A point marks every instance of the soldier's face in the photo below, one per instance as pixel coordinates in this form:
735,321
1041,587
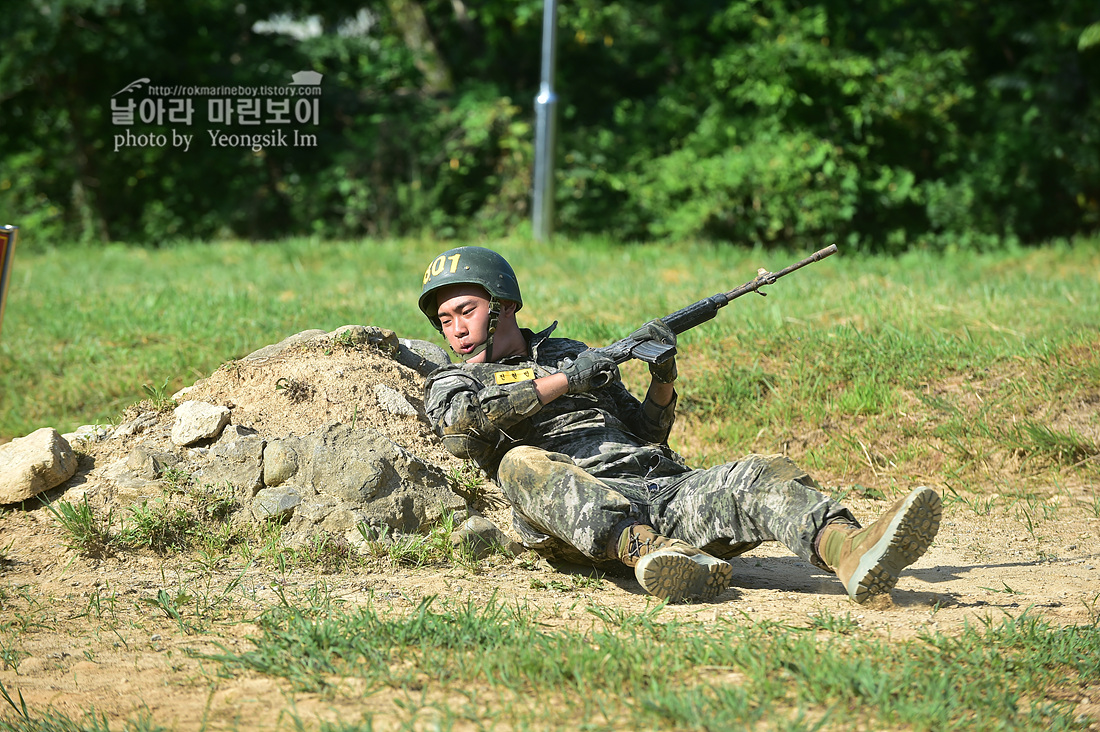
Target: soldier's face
464,314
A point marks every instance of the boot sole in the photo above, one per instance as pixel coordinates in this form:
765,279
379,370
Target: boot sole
672,576
908,537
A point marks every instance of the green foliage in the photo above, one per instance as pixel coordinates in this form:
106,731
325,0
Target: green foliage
889,125
1090,37
159,397
53,720
162,526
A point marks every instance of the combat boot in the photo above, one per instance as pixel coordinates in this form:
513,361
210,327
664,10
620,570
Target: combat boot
869,560
671,569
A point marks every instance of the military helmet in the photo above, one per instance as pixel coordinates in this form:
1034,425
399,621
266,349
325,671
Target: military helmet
468,265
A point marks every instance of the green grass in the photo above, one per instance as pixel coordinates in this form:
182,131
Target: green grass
632,670
848,340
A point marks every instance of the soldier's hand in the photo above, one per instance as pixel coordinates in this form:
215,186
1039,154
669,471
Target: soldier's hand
591,369
664,373
656,330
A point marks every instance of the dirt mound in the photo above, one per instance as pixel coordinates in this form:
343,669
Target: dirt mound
313,384
322,431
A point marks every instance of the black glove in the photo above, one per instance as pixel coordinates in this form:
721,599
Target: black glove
591,369
656,330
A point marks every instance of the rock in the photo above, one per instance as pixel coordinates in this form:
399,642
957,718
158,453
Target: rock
197,421
87,433
148,464
314,511
121,485
384,482
30,465
235,432
238,462
275,503
179,395
422,356
393,401
277,348
341,520
481,537
384,339
134,426
280,463
347,464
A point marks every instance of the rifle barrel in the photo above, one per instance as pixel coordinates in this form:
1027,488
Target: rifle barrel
700,312
768,278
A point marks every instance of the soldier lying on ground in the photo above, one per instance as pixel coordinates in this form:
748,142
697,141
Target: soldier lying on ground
587,467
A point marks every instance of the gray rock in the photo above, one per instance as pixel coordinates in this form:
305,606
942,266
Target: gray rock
275,503
276,348
383,339
422,356
314,510
87,433
179,395
362,468
121,485
149,464
393,401
347,464
482,537
235,432
239,462
341,520
134,426
196,421
280,462
30,465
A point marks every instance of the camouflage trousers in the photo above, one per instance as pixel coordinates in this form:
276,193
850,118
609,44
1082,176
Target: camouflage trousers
565,513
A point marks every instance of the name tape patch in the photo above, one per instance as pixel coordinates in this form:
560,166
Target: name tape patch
511,377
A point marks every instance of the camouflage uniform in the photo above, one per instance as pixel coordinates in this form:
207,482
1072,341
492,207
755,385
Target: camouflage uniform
580,469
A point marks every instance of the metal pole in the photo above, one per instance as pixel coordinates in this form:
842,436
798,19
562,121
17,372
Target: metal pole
546,104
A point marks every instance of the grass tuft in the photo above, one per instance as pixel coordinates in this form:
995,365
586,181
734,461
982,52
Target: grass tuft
1036,441
83,530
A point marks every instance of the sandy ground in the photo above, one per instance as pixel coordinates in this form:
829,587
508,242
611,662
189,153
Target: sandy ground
94,639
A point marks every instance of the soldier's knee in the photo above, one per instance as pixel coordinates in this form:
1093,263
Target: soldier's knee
518,462
526,467
780,468
525,458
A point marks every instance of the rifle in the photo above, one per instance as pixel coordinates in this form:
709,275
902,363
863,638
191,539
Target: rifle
651,351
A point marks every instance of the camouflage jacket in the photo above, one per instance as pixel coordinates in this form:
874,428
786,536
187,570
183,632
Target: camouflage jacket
483,410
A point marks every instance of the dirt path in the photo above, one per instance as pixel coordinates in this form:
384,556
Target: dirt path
81,634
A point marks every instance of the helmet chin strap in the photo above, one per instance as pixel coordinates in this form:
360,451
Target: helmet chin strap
487,346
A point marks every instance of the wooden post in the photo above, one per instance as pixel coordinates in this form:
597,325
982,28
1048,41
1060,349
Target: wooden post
7,251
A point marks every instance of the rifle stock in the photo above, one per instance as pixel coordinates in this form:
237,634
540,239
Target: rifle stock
702,311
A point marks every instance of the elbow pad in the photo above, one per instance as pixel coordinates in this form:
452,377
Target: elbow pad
505,406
